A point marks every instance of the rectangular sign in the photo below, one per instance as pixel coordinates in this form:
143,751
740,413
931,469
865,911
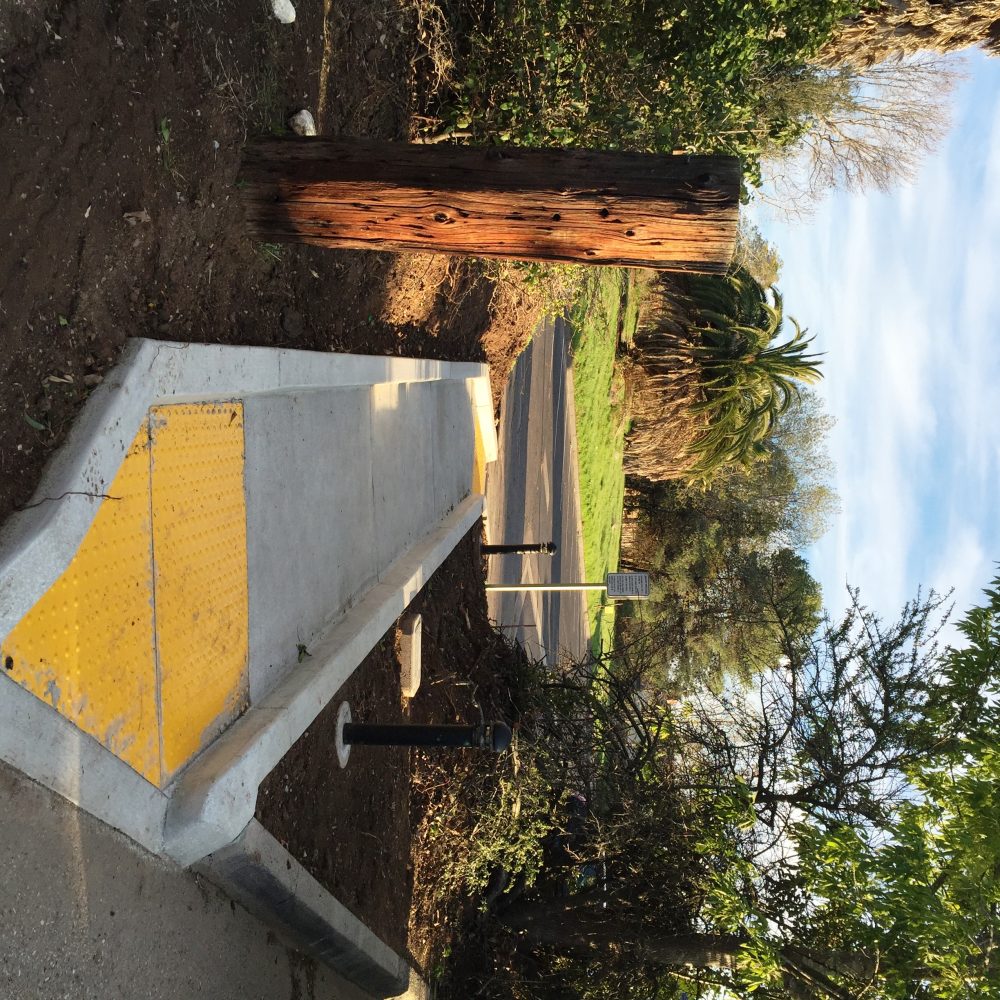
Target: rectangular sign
625,585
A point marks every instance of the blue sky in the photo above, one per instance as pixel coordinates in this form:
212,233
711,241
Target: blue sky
903,293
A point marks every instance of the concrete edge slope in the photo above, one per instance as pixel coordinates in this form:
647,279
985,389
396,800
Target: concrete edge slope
209,807
259,873
50,749
215,797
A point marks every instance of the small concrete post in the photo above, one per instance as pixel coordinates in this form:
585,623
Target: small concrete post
408,636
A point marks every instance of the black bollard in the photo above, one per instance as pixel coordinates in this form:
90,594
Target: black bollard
546,548
494,736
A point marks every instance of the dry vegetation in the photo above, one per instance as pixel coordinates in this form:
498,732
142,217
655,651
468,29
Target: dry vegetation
665,386
913,27
870,129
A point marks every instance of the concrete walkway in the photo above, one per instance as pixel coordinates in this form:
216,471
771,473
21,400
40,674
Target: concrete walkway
215,515
86,915
222,539
532,494
233,532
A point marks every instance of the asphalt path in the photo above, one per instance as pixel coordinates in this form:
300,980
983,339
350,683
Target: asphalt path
533,495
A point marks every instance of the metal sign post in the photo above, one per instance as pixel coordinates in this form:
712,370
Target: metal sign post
619,586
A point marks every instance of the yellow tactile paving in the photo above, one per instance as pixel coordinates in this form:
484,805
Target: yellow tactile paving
142,641
199,544
479,462
87,646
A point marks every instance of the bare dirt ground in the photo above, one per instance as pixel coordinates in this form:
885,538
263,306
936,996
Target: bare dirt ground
121,130
353,829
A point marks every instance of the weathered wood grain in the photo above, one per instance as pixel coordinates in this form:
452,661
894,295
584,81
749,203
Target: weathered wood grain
582,206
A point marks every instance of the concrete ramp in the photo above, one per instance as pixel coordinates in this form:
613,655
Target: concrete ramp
340,482
225,535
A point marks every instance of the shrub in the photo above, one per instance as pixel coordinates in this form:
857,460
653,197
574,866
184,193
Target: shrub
690,75
710,381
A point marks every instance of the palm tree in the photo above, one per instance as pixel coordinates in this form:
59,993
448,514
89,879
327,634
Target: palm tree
708,382
891,31
747,381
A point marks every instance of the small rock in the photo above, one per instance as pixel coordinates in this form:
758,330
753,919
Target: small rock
283,11
302,123
93,379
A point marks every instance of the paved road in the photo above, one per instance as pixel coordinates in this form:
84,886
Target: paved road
84,914
532,494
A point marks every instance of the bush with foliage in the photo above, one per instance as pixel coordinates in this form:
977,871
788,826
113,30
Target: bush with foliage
756,255
709,379
747,381
836,839
692,75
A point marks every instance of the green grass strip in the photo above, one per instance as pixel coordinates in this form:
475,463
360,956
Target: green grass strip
604,313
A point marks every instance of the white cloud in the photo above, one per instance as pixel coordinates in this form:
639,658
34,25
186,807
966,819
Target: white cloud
904,291
974,360
963,563
964,567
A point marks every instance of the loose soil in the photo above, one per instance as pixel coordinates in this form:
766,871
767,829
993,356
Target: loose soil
352,829
121,129
122,125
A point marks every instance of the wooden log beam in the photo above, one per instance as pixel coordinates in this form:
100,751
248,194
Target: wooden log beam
580,206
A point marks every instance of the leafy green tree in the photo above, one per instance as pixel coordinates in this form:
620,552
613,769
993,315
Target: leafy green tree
964,704
834,732
873,889
754,253
728,611
660,76
803,491
722,557
710,550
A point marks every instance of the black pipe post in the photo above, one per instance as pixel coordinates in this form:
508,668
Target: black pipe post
546,548
495,736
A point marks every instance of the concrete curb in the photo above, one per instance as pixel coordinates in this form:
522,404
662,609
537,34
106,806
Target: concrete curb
259,873
206,814
36,545
417,989
51,750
